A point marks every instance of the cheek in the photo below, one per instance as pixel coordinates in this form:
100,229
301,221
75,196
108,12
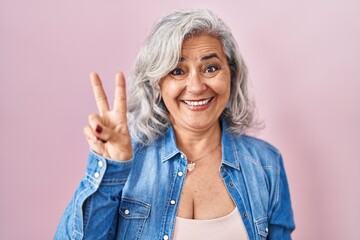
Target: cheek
224,92
223,87
170,89
228,84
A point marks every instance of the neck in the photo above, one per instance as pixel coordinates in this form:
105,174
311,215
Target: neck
195,143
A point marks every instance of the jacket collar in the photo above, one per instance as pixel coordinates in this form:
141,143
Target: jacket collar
169,146
229,153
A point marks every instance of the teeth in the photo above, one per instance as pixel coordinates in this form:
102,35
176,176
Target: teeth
198,103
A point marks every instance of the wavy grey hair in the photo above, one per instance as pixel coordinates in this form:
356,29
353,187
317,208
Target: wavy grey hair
148,117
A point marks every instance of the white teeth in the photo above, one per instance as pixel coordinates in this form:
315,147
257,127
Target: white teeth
198,103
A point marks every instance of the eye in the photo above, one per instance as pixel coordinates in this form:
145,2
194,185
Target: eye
211,69
177,72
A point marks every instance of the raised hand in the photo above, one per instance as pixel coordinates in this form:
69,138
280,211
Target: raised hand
107,132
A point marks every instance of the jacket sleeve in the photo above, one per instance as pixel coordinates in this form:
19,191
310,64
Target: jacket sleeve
281,222
93,210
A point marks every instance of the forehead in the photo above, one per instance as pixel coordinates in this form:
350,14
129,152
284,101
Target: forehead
200,45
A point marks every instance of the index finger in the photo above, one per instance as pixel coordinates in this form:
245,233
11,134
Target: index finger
99,93
120,96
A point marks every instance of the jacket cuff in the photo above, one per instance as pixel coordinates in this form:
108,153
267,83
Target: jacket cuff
100,168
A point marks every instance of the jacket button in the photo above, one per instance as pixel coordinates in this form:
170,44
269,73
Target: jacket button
231,184
172,202
244,215
97,175
180,174
127,212
266,230
166,237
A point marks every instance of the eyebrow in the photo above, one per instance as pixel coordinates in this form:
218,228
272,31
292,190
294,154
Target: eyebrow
204,58
207,57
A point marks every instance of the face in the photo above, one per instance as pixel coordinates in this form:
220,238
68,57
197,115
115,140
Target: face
197,90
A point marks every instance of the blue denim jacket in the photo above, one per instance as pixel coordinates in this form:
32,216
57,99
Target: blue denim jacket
139,199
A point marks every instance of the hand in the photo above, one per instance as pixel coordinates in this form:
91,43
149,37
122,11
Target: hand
108,133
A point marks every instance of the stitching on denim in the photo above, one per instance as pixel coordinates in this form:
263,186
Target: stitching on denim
260,224
75,234
170,155
271,147
277,186
233,145
257,163
140,228
77,202
88,209
91,180
143,206
163,221
133,200
241,198
113,181
250,158
142,149
261,219
247,157
235,185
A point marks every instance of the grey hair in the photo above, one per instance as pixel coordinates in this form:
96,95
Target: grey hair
148,117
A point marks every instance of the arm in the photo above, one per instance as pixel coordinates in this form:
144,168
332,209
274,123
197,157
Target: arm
281,222
93,210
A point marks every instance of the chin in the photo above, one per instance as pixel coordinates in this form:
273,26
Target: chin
201,124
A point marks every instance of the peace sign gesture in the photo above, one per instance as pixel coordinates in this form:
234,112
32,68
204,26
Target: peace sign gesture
107,132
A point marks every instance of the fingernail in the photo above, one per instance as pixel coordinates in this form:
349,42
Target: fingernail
98,129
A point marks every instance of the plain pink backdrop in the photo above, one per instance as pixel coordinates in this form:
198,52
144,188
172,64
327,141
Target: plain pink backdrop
303,58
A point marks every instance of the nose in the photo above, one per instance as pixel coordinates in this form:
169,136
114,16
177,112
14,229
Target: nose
195,83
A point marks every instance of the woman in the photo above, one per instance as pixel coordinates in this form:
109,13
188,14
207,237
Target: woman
177,164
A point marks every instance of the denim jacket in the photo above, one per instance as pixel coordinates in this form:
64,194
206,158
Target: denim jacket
138,199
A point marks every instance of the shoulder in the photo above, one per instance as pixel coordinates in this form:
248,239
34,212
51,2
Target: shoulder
256,151
251,142
140,146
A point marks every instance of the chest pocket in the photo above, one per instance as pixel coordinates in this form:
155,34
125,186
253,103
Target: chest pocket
262,227
133,215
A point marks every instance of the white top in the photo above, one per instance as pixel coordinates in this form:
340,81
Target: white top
229,227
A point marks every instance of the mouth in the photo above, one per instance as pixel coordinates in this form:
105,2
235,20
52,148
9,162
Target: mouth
198,103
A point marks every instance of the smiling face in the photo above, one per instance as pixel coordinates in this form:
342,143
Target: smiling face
197,90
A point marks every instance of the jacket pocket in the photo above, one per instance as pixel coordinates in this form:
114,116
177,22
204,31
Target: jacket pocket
133,215
134,209
262,227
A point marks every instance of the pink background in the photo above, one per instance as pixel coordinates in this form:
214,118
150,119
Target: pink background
303,58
